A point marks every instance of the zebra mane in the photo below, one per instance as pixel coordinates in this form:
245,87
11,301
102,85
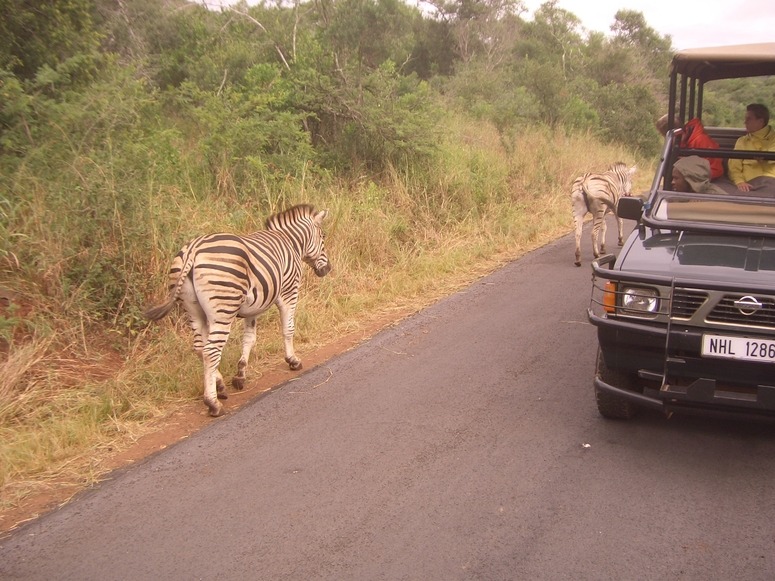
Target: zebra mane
277,221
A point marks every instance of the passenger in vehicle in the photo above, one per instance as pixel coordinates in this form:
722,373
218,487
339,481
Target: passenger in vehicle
694,136
754,174
662,124
692,174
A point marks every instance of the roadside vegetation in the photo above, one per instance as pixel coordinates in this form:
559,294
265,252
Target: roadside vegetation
443,144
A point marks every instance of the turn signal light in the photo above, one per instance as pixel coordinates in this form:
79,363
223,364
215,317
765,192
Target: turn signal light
609,297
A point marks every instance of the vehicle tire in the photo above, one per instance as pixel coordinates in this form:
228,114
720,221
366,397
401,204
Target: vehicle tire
611,406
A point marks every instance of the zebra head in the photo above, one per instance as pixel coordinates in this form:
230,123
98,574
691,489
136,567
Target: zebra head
305,227
624,176
315,253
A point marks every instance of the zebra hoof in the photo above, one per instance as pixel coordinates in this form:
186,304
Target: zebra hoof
223,395
577,263
238,383
216,409
293,363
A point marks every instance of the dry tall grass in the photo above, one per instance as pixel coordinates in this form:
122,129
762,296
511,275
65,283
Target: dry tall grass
69,396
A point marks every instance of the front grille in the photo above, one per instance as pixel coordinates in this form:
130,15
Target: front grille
686,302
725,311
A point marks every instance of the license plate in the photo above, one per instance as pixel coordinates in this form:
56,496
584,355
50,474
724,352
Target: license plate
743,348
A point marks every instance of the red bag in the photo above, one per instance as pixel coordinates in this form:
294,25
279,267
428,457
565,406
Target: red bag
694,137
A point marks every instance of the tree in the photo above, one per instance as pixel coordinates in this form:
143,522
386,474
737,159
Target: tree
653,51
627,114
364,34
38,33
554,37
479,27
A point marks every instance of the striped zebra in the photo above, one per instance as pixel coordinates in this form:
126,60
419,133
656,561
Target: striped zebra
598,193
219,277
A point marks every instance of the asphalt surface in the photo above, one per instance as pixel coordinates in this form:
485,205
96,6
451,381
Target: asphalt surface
463,443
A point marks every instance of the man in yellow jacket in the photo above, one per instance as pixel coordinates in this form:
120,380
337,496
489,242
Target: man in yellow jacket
760,137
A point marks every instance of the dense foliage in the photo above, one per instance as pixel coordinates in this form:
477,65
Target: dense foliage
110,110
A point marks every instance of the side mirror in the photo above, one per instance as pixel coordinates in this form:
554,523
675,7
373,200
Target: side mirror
630,208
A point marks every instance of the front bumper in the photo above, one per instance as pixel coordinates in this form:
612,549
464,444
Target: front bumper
702,397
681,379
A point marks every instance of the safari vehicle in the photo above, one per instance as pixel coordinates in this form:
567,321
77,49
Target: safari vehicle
685,315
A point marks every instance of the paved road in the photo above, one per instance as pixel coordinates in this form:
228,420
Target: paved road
462,444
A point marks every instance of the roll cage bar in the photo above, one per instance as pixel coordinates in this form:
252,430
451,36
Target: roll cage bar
691,69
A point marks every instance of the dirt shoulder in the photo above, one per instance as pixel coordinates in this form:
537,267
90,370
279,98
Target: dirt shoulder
182,423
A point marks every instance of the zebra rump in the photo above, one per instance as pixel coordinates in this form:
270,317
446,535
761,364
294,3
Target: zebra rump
221,277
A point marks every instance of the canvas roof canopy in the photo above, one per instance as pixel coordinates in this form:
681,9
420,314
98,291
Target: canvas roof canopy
726,62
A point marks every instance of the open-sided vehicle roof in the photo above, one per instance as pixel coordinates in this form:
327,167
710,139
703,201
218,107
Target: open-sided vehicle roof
726,62
690,69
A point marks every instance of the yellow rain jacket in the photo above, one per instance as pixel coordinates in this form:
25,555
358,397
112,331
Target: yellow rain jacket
744,170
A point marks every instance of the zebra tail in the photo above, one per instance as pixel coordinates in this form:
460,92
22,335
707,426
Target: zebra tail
159,311
162,310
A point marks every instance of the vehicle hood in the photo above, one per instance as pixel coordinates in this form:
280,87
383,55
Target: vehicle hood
700,256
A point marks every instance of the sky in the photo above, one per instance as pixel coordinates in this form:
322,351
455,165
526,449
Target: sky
690,23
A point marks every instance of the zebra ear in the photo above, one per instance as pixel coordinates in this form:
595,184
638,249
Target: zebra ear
320,216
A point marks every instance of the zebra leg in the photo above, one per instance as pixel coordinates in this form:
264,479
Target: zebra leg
198,322
199,325
620,225
603,228
220,386
579,211
288,326
211,359
598,223
248,341
579,224
197,319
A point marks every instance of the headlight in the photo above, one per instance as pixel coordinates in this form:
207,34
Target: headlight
638,300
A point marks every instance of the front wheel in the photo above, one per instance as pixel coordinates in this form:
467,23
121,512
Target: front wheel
611,406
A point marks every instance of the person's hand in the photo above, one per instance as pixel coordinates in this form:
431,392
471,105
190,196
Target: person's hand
744,187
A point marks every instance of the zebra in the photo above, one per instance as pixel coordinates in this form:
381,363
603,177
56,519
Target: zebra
598,193
219,277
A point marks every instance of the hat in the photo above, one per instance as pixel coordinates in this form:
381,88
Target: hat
696,172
